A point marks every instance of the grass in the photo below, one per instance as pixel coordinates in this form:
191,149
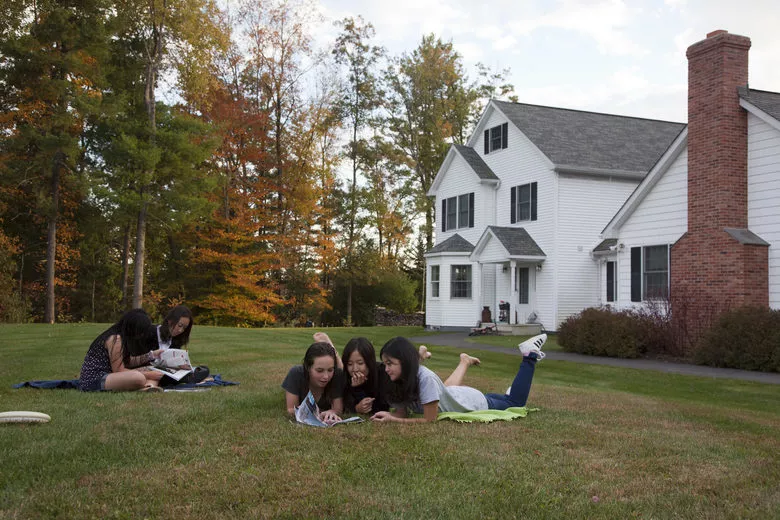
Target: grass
606,443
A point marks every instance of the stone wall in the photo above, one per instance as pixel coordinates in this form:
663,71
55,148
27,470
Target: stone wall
387,318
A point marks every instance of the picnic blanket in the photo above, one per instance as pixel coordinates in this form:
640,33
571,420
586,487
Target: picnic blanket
487,416
74,383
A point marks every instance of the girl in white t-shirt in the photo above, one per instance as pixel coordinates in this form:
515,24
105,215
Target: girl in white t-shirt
174,331
417,389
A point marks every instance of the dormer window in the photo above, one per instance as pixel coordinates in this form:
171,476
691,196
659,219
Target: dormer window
496,138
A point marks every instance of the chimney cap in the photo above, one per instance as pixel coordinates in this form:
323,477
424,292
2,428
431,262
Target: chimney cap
716,32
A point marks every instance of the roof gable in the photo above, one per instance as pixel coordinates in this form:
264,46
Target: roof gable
515,240
472,158
644,187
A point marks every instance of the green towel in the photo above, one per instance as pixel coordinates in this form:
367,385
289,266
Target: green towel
487,415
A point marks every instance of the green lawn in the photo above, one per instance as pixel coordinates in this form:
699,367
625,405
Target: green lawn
606,443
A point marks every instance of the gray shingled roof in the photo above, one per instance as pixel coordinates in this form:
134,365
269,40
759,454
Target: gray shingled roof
605,246
482,170
517,241
769,102
454,244
593,141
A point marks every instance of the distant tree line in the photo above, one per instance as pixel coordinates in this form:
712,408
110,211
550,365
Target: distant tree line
154,152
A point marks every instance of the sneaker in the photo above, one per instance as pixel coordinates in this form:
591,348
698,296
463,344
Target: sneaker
508,390
533,344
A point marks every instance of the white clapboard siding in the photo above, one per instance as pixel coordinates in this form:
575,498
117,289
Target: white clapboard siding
661,218
586,204
460,179
522,163
447,311
764,195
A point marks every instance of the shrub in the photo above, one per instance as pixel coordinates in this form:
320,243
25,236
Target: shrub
746,337
623,334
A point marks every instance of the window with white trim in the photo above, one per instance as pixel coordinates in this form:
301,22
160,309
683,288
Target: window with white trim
522,284
460,281
435,270
649,273
457,212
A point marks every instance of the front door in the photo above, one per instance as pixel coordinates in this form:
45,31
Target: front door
525,284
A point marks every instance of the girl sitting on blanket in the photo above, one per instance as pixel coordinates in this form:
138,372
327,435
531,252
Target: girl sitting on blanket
320,375
174,332
416,388
116,359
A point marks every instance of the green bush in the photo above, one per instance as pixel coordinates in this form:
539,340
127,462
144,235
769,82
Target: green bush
747,338
623,334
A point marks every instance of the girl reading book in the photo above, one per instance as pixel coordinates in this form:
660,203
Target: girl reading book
319,375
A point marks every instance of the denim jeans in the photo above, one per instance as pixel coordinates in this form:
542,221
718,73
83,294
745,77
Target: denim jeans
521,387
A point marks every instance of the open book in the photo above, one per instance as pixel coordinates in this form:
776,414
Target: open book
174,363
309,413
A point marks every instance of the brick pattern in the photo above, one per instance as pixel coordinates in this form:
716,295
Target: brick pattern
709,268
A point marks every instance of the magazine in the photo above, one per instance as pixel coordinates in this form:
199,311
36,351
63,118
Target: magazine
174,363
308,413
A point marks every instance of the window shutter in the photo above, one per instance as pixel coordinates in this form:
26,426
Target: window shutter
444,215
504,135
533,201
636,274
487,142
513,205
610,281
471,209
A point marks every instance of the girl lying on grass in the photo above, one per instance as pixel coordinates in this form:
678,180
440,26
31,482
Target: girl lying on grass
320,375
365,391
416,388
115,359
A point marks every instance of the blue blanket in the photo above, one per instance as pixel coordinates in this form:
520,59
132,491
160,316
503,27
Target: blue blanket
74,383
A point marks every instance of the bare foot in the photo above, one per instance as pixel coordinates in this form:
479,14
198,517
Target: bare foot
423,352
469,360
321,337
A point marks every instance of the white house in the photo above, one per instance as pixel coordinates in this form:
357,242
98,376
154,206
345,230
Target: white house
552,211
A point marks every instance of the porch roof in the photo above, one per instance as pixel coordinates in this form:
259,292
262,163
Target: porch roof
516,241
454,244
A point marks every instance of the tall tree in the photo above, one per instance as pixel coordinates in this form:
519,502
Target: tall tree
432,104
178,35
360,100
51,77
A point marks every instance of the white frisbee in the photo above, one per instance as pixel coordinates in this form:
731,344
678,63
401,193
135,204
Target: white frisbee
23,417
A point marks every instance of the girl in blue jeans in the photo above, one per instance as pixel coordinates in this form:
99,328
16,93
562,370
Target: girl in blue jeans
417,389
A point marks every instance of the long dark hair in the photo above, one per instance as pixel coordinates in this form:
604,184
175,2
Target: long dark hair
314,351
366,350
406,388
134,329
174,315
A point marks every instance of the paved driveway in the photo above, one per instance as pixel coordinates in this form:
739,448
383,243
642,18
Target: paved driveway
458,340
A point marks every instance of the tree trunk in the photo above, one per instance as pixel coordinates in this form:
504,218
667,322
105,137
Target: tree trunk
349,302
125,264
138,267
93,301
51,238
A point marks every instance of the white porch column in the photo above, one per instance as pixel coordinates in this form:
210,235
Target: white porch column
478,292
514,298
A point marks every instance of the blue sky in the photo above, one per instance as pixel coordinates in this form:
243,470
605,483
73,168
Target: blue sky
620,57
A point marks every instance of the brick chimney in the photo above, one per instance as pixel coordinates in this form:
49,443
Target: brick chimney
712,266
